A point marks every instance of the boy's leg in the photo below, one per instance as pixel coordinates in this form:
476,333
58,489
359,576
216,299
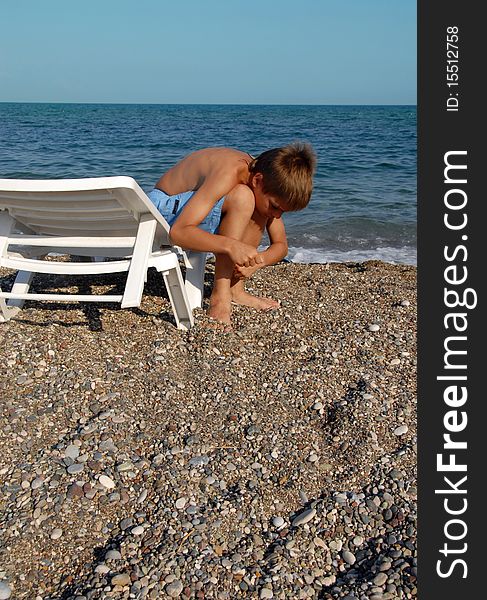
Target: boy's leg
236,213
252,236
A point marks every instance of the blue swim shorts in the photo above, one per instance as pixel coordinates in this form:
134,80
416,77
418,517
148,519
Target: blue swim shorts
170,208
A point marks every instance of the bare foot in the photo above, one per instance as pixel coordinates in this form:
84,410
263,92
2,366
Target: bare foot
245,299
219,314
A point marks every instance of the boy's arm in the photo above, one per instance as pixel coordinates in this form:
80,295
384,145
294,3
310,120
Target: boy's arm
186,233
278,248
273,254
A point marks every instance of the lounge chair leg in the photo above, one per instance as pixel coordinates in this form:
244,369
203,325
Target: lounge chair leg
137,274
4,314
179,301
20,286
195,278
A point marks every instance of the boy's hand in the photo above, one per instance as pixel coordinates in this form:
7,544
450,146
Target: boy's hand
244,255
245,272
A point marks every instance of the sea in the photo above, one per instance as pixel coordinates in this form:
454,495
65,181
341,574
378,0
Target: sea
364,197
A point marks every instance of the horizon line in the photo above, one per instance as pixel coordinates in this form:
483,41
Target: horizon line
203,103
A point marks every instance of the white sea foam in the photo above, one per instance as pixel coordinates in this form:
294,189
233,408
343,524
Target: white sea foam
405,255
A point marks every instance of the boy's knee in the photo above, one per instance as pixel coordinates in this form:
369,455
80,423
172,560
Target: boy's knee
240,200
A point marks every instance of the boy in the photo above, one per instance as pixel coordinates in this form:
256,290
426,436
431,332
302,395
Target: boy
232,198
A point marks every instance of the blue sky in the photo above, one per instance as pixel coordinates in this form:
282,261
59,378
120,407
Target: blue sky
208,51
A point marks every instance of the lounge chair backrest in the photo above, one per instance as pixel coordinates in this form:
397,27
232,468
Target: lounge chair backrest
108,206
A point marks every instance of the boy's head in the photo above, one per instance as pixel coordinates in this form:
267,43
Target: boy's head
287,173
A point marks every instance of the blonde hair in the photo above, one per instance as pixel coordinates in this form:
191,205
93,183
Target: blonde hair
287,173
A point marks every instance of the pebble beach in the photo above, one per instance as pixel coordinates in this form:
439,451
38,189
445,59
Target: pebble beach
275,461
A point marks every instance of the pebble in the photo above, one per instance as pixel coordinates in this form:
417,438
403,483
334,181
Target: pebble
304,517
5,591
37,483
278,522
102,569
266,593
75,491
181,503
126,523
348,557
401,430
121,579
197,461
174,589
106,482
72,451
380,579
138,530
75,468
113,555
56,533
374,327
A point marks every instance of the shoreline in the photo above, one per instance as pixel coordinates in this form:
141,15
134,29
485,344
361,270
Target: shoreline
278,461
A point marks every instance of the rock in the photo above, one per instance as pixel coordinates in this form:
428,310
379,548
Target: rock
107,482
304,517
278,522
102,569
181,503
113,555
121,579
75,491
374,327
401,430
142,496
37,483
266,593
348,557
198,461
72,451
5,591
75,468
138,530
126,523
56,533
380,579
174,589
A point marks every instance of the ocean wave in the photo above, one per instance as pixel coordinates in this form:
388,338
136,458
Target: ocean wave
406,255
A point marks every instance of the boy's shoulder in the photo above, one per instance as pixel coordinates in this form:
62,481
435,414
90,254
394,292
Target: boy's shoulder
241,191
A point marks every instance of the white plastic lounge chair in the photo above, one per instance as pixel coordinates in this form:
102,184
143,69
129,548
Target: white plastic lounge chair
99,217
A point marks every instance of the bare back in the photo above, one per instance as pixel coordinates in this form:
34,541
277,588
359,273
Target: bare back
192,171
